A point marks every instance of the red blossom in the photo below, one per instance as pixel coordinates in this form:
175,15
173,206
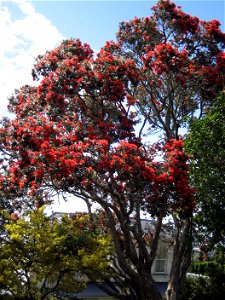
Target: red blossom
75,131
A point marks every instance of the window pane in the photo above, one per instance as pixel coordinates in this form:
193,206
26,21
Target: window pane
160,266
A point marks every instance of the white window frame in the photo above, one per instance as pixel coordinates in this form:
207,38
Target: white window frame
161,260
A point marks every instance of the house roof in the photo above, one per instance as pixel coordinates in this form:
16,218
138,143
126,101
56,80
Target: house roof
93,291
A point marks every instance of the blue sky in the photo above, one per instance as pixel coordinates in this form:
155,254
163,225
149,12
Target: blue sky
29,28
95,22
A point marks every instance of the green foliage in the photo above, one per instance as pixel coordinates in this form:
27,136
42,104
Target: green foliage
208,279
206,144
40,255
210,286
196,288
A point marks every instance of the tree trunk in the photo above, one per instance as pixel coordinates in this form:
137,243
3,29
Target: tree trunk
142,288
149,290
181,260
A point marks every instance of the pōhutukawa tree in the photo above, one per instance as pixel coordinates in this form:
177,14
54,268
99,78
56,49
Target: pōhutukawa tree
76,133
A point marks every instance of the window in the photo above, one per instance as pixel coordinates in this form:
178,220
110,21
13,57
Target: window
161,256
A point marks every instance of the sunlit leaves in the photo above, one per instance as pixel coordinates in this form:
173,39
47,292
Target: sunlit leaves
41,255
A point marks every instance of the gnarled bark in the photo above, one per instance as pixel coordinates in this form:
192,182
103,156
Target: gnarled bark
181,258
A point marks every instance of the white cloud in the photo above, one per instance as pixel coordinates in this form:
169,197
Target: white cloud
21,40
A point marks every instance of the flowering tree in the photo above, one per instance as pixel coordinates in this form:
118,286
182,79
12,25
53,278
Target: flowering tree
81,131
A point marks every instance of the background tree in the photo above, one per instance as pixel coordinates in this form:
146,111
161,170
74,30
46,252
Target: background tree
41,256
208,277
206,144
76,133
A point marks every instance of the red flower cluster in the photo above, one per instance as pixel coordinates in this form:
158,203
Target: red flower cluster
75,131
176,163
182,21
166,58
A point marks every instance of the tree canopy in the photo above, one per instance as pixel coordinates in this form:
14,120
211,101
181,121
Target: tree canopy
205,143
82,130
42,256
